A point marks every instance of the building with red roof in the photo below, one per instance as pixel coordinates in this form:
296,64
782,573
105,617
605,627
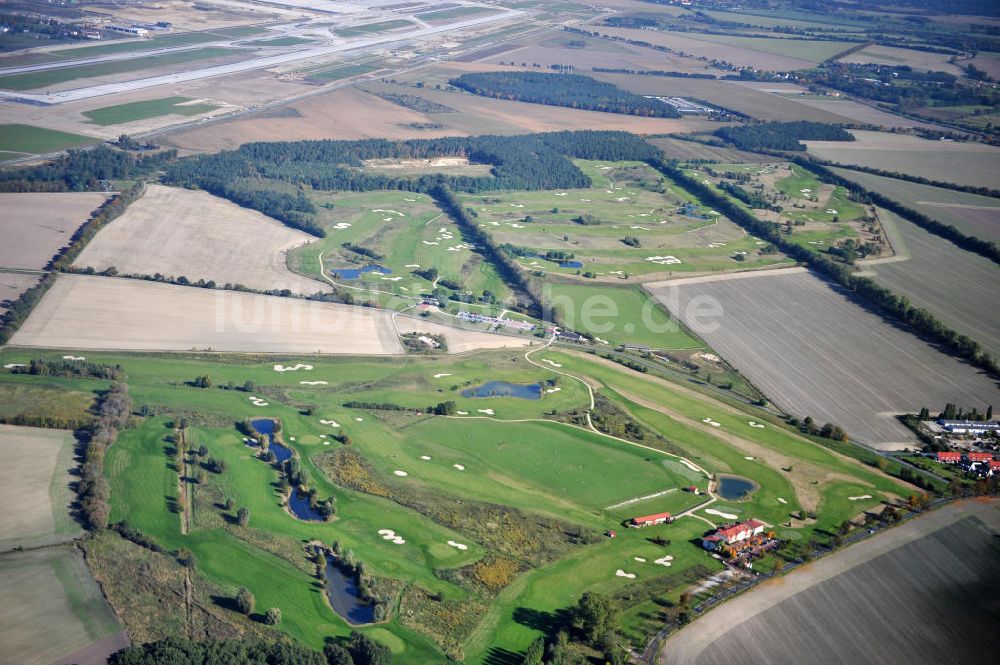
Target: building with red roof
980,457
733,533
948,457
995,465
649,520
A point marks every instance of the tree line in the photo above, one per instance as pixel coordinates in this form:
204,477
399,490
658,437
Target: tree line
986,248
110,210
921,321
84,170
781,135
112,415
570,90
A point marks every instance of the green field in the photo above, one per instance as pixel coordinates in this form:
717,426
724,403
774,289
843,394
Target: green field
618,315
675,232
519,492
50,77
151,108
815,50
408,231
44,588
371,28
19,140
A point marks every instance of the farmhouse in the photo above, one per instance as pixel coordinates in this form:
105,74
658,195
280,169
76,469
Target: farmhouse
649,520
734,533
949,457
970,426
980,457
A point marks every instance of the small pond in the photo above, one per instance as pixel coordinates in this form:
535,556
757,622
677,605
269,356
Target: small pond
504,389
281,453
356,273
342,592
735,488
570,264
298,503
266,426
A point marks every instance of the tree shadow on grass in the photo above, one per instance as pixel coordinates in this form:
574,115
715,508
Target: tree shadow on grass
549,623
498,656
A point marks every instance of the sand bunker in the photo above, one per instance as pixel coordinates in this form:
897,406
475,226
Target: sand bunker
780,500
489,412
257,401
749,457
390,535
639,559
755,424
664,560
441,376
858,498
713,423
292,368
462,413
73,358
412,265
401,474
668,260
460,467
313,383
425,457
341,226
331,423
458,546
553,390
725,516
390,212
14,365
622,573
358,419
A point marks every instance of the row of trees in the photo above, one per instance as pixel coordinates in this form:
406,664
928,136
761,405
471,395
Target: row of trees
919,320
113,414
986,248
357,650
571,90
71,369
19,308
109,210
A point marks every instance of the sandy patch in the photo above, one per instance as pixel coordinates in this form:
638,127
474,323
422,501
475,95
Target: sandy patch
390,535
313,383
460,467
73,358
858,498
458,546
292,368
664,560
331,423
755,424
257,401
781,501
622,573
489,412
401,474
441,376
639,559
725,516
425,457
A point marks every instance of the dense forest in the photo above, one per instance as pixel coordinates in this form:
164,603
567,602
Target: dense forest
257,175
572,90
83,170
781,135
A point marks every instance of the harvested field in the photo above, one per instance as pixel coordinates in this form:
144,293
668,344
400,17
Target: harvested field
956,285
35,487
814,352
347,113
923,593
971,214
13,284
947,161
890,55
83,312
33,227
204,237
726,94
458,340
763,53
86,312
51,610
861,113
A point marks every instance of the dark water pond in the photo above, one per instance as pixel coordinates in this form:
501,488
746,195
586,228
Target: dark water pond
356,273
570,264
342,591
280,452
736,487
504,389
266,426
298,503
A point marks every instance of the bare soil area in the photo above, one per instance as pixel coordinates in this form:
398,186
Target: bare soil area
178,232
13,284
33,227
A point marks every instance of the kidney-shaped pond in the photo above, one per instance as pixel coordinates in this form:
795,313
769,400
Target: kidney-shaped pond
736,487
342,592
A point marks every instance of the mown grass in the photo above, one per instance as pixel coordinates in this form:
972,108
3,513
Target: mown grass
17,139
150,108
